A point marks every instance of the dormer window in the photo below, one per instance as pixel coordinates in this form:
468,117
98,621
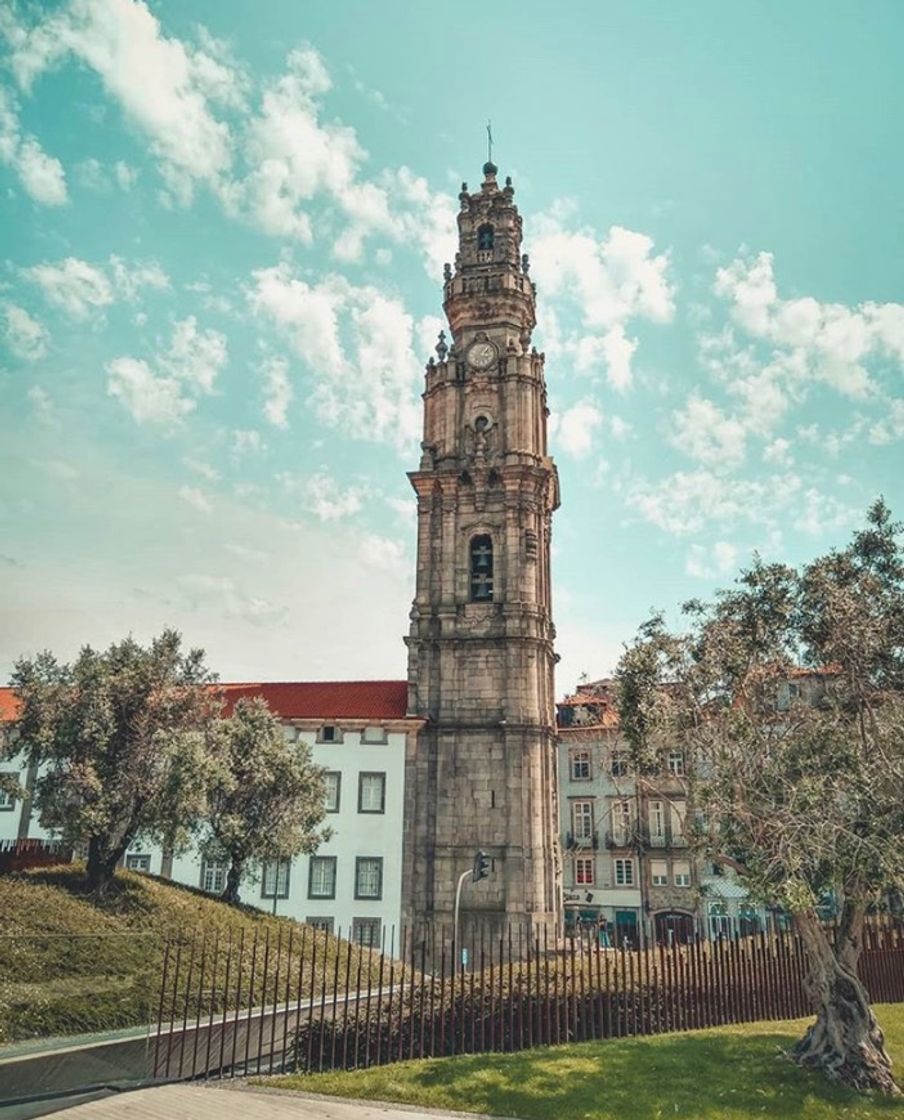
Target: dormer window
481,569
485,237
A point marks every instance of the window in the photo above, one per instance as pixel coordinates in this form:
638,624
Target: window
659,872
621,764
621,821
485,237
322,877
290,733
332,779
366,932
371,793
369,877
7,801
481,569
580,766
329,733
624,872
138,863
679,813
675,762
373,735
681,873
583,872
657,823
325,925
213,876
275,878
582,819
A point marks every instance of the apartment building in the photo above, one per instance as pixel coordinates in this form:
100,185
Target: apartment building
627,858
360,733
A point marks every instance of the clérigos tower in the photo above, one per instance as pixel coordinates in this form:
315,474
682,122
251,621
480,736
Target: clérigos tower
480,646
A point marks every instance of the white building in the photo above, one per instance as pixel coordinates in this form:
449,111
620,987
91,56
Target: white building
359,732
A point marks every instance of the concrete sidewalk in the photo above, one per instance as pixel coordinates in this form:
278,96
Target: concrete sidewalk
203,1102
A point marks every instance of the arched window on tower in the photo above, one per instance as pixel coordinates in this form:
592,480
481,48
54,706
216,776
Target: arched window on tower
481,569
485,237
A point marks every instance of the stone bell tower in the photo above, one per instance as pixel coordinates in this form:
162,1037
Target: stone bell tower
480,646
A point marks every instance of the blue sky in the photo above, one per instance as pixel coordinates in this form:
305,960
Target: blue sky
221,247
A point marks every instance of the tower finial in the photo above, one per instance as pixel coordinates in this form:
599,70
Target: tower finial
489,168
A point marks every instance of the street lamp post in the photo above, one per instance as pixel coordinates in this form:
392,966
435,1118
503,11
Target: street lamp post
479,871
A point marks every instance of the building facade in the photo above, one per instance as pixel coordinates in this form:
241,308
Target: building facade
628,857
360,733
480,645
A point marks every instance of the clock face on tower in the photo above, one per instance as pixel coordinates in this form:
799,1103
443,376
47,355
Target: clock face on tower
482,355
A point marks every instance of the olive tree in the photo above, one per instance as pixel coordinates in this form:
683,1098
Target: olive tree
118,738
266,799
787,695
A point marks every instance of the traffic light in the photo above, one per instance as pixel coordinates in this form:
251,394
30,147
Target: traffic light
481,867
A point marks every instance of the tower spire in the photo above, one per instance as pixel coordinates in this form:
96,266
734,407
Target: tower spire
489,168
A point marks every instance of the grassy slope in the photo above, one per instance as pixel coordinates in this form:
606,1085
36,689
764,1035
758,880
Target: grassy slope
68,965
727,1073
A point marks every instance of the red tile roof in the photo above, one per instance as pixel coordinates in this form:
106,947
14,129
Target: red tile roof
299,699
9,705
327,699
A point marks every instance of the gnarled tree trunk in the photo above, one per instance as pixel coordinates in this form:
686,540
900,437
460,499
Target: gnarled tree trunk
846,1043
233,881
102,863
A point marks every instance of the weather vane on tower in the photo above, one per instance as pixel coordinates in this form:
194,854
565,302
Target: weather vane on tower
489,141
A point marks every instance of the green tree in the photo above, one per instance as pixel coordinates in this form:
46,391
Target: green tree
798,776
119,737
266,799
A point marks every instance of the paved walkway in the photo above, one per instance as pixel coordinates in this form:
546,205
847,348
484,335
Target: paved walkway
197,1102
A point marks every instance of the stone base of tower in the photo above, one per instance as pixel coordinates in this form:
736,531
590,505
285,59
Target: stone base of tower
469,789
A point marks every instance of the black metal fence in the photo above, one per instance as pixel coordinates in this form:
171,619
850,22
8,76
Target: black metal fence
308,1001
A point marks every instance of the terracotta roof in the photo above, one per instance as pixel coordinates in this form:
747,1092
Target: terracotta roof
300,699
9,705
327,699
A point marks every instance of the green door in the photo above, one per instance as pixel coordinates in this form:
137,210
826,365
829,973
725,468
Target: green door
626,929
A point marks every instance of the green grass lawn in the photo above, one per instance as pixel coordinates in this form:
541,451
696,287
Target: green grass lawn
69,964
726,1073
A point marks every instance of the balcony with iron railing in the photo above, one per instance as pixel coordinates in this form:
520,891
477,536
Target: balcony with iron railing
588,842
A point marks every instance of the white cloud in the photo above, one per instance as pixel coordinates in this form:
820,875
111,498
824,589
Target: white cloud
324,497
247,440
609,282
576,427
126,176
195,498
147,397
830,342
195,356
692,501
705,562
384,553
223,595
357,344
198,466
92,175
130,278
277,391
42,403
189,365
41,175
73,285
778,452
704,433
162,85
25,335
